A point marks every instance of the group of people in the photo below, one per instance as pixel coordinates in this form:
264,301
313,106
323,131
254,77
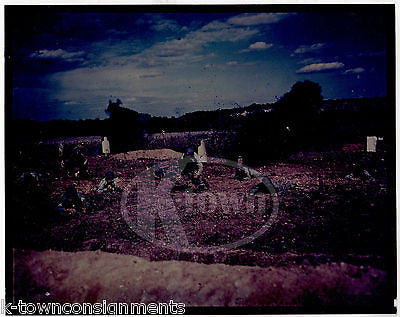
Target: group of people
188,178
74,163
191,178
73,202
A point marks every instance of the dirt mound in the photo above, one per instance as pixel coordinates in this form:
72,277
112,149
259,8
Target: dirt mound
161,154
94,276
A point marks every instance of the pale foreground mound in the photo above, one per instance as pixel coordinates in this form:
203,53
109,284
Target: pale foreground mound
92,276
161,154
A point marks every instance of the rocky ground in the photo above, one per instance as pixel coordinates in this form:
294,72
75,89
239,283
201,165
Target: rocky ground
324,222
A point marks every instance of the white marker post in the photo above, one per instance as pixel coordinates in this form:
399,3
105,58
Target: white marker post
105,145
202,153
371,143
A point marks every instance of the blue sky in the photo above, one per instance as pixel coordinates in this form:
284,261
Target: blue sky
68,65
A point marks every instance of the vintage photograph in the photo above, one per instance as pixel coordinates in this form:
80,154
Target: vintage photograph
200,159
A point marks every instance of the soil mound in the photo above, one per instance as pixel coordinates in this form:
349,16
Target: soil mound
160,154
93,276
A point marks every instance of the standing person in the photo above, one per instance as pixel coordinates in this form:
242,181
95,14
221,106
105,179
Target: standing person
60,151
79,162
164,138
60,158
75,162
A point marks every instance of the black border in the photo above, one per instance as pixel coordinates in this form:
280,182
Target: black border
12,12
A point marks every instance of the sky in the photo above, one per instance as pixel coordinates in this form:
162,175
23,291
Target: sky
68,65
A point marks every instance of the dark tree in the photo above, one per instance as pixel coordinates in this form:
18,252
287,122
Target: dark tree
298,109
127,127
298,112
290,127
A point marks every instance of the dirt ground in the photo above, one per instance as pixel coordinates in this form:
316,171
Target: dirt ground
330,242
81,277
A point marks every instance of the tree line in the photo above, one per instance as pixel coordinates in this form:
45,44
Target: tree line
300,120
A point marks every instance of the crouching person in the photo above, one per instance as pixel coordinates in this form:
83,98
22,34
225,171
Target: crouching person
72,202
191,170
108,183
244,173
158,174
241,172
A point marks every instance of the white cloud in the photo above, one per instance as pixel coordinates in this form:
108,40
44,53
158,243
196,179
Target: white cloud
172,52
227,34
166,25
309,48
356,70
151,74
130,99
257,46
247,19
58,54
70,102
309,61
173,48
320,67
188,48
215,25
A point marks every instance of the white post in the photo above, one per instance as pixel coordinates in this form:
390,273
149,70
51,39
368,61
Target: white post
105,145
202,152
371,143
